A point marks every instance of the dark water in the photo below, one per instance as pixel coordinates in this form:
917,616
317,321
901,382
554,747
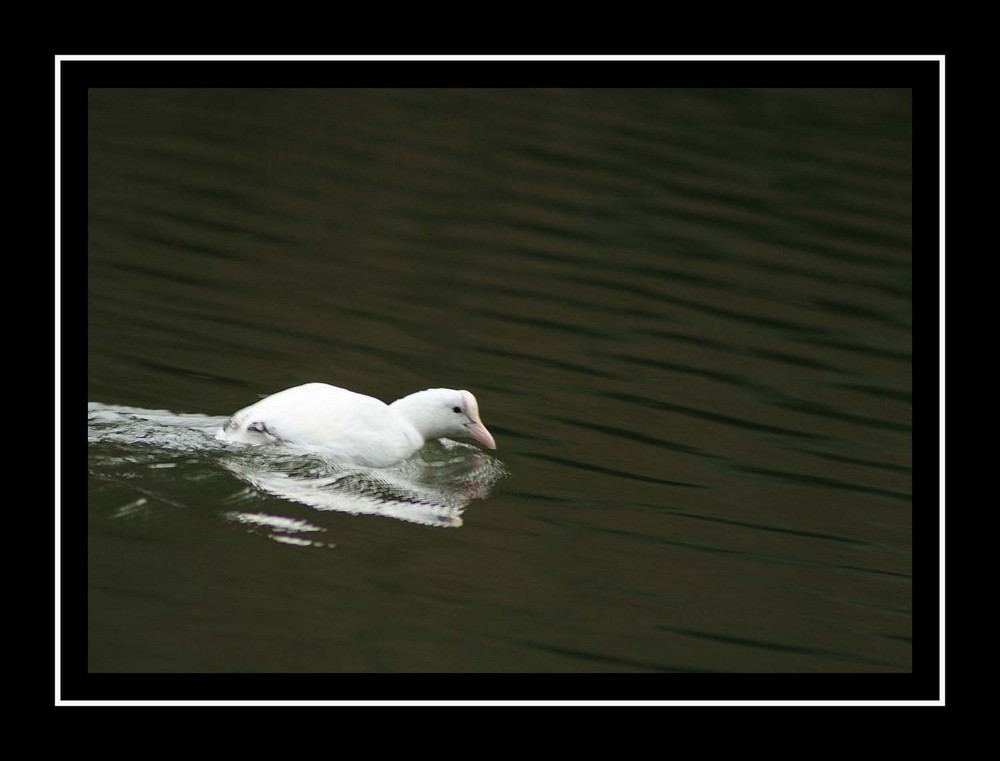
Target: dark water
686,316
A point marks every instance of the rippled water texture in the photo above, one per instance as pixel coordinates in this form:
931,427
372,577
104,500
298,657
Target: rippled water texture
432,487
686,316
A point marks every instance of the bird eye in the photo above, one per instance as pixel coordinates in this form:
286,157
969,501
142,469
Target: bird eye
456,409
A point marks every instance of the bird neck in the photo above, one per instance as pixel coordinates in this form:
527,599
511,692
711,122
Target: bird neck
420,410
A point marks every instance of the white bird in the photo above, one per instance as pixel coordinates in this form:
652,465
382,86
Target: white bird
355,428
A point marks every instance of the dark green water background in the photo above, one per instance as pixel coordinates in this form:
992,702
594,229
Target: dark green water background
686,315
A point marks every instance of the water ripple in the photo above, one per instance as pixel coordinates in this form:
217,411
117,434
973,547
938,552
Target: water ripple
432,488
714,417
778,647
591,467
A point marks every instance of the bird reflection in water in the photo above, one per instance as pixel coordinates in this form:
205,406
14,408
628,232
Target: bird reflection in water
432,488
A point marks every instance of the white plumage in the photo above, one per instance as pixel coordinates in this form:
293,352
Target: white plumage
356,428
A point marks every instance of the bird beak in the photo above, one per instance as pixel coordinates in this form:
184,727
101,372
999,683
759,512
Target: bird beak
478,433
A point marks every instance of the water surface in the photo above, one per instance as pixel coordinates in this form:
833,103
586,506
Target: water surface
686,315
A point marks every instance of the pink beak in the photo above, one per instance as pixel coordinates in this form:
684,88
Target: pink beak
478,433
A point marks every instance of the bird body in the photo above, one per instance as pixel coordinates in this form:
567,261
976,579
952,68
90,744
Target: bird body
356,428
